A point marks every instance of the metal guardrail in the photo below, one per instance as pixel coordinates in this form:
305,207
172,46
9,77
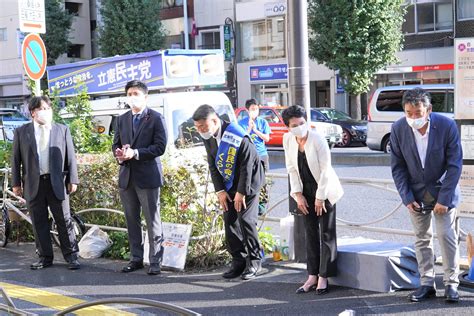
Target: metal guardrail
136,301
384,184
11,309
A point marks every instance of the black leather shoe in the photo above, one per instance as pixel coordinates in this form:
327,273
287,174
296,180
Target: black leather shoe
41,265
154,269
252,271
451,294
132,266
73,265
323,291
423,293
301,290
234,272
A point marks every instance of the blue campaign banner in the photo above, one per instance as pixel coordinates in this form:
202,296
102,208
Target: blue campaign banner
170,68
107,74
269,72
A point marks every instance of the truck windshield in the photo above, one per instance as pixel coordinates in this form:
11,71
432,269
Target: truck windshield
184,132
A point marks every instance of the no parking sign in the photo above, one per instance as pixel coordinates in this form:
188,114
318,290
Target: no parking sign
33,56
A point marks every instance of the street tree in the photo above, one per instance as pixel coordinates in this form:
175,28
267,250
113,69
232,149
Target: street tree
58,26
356,37
130,26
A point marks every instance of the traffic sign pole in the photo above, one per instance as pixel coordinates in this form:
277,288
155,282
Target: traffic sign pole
33,56
37,88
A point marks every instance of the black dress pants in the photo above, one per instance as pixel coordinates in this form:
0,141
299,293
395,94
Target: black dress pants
241,232
38,208
321,241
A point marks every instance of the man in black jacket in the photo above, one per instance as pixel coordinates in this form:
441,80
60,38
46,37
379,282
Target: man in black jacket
140,139
237,174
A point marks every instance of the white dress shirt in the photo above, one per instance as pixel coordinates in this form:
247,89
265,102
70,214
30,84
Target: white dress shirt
42,155
422,143
219,136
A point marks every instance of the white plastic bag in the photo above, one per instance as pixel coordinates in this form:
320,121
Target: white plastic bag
94,243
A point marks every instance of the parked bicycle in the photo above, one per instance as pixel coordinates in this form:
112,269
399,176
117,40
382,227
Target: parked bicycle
10,203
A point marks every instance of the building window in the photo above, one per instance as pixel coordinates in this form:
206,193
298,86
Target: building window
465,9
263,39
428,16
166,4
72,8
3,34
74,51
210,40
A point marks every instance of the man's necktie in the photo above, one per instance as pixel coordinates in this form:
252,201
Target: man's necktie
43,151
136,121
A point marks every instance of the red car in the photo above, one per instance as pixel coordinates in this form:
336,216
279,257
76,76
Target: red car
272,115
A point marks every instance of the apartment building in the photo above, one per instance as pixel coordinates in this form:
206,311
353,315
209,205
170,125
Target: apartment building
430,28
13,80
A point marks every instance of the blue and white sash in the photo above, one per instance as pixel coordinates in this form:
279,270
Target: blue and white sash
226,158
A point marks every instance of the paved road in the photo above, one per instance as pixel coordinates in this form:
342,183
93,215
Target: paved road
204,292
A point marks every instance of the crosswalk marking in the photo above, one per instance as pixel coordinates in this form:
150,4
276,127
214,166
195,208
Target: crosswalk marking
56,301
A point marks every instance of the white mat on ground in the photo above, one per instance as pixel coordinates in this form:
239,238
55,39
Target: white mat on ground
375,265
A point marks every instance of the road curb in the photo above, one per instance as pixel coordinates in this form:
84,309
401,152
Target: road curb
376,159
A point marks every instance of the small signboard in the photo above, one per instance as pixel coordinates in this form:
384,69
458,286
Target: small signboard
227,42
175,243
466,208
464,78
33,56
269,72
32,16
275,9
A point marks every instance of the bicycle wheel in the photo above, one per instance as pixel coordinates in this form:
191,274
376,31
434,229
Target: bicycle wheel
4,226
78,226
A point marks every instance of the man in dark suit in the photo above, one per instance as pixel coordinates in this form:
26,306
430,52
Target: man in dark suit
44,170
237,174
426,167
139,141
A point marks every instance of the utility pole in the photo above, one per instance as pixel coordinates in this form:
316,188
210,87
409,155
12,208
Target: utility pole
298,81
186,31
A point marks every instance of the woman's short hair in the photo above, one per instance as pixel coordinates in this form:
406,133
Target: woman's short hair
294,111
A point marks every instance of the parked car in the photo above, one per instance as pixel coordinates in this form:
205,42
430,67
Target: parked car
352,130
10,119
176,107
332,132
385,107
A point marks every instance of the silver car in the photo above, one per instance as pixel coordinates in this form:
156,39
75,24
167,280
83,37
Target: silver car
9,120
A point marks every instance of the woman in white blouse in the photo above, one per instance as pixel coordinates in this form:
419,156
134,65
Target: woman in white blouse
316,188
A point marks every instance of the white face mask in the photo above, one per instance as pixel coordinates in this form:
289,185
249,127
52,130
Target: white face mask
416,123
299,131
44,117
136,102
206,135
253,114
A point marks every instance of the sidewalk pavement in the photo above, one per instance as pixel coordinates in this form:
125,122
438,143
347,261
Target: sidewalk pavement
206,292
341,156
